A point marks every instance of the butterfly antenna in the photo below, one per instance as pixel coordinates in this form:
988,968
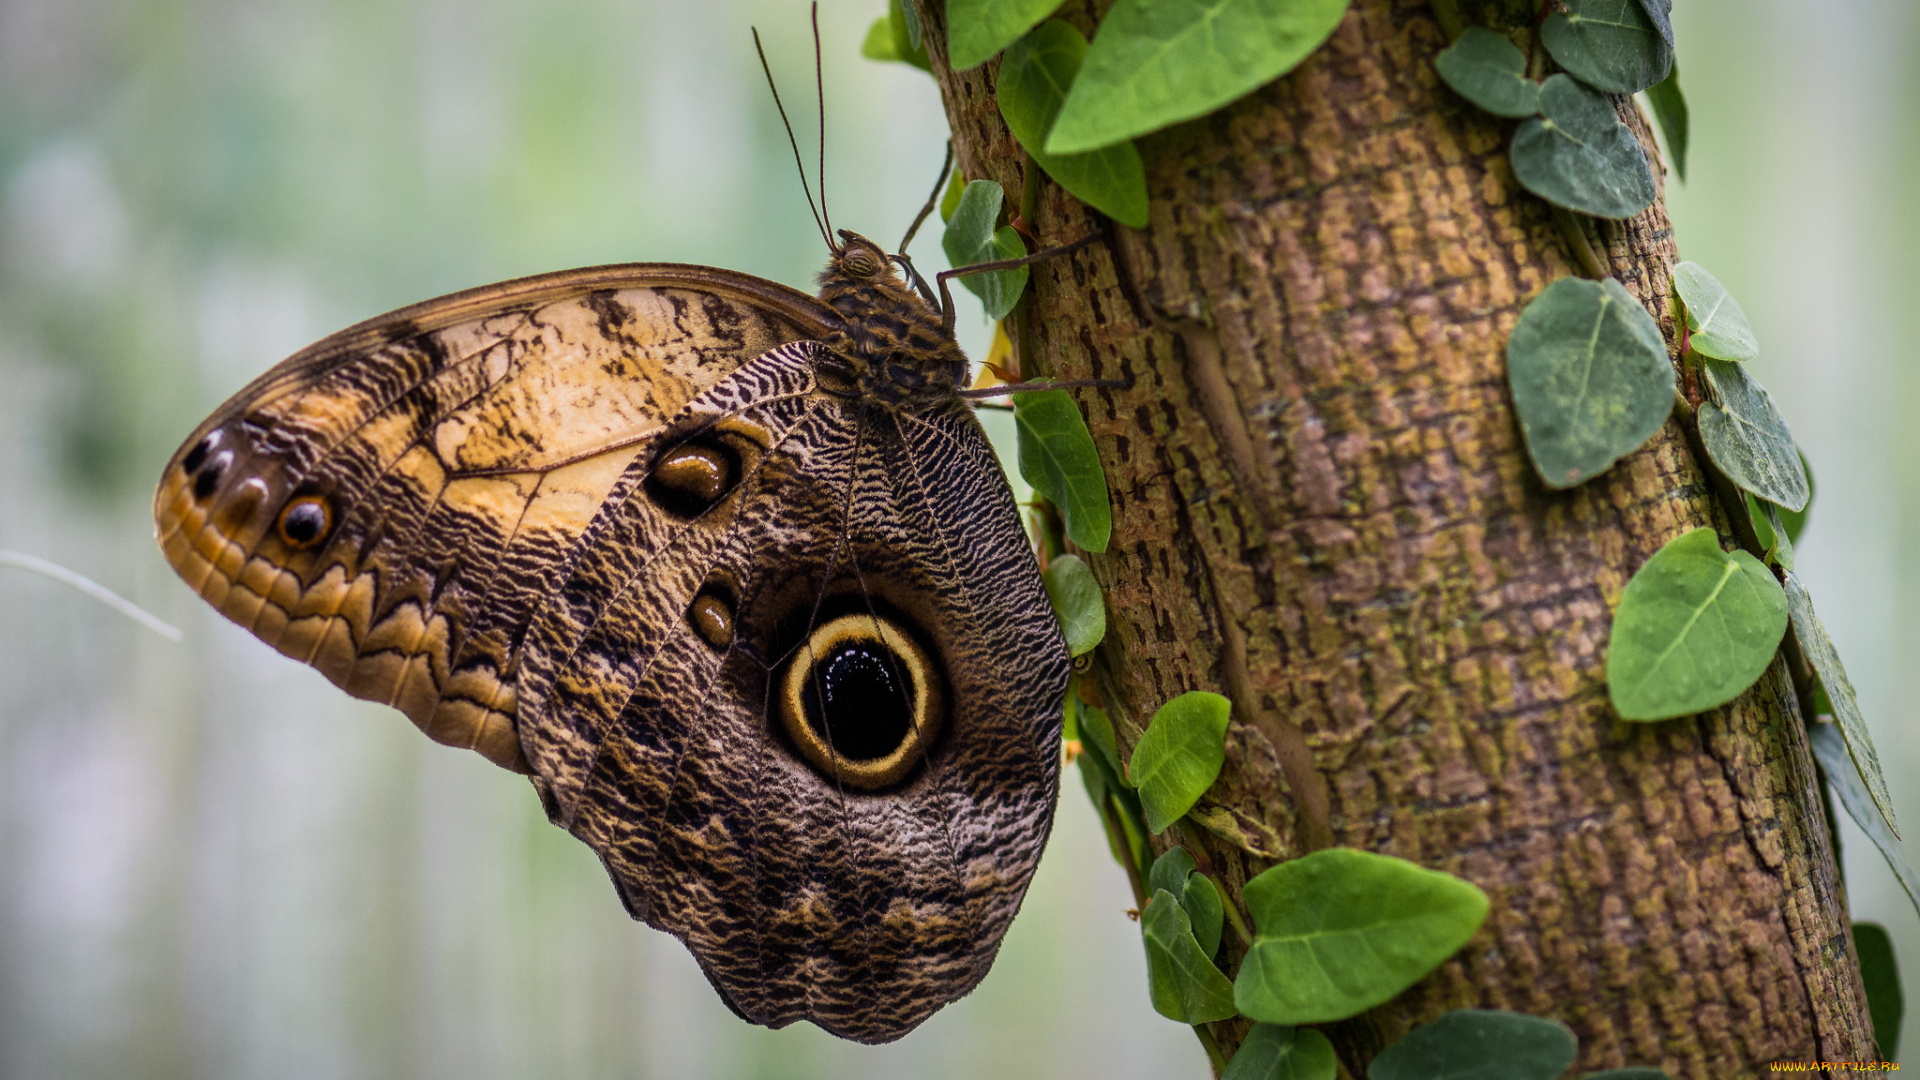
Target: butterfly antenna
791,141
820,93
932,200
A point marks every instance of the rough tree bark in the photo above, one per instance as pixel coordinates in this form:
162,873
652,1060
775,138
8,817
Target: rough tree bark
1323,510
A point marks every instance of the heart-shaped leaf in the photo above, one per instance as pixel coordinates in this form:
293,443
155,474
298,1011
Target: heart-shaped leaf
1846,707
1058,459
1201,899
1340,931
1033,81
1076,602
1670,109
1170,870
971,239
1174,871
1881,977
1489,70
1580,156
1590,378
1279,1052
1843,779
1748,440
1182,982
1157,62
1611,45
1716,325
1480,1044
1696,627
1179,756
976,29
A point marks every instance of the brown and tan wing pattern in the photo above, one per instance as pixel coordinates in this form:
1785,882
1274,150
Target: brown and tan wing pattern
858,901
393,504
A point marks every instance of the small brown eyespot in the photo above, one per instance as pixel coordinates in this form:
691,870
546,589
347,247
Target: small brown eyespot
711,618
305,521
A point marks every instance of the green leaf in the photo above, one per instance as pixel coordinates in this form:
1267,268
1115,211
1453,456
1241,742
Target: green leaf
1696,627
1796,520
1479,1044
1077,603
971,239
1033,81
1610,45
1846,707
1096,734
1748,440
1157,62
1058,459
1340,931
1843,779
976,29
1182,982
1279,1052
909,18
1174,871
888,39
878,44
1179,755
1201,899
1580,156
1590,376
1885,1002
1489,70
1660,13
1170,871
1670,109
1717,326
949,202
1776,545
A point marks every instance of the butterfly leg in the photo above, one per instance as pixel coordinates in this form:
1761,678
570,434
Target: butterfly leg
946,295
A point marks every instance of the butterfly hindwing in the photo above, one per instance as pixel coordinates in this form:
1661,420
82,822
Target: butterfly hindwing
802,896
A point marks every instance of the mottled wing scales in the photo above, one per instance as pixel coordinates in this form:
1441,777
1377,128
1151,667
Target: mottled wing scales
862,912
462,447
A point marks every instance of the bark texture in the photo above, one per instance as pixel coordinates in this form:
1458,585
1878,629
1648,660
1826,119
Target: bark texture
1324,510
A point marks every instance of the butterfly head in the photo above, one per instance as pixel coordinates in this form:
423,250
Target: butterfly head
894,345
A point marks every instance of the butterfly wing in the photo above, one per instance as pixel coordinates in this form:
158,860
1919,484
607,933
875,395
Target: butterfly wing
392,504
861,902
605,526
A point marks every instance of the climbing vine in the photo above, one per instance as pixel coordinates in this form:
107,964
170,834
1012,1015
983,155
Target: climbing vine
1334,933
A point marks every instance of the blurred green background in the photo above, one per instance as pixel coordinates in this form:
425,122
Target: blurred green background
212,865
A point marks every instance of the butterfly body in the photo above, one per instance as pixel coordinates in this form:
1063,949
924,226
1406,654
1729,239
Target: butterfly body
729,570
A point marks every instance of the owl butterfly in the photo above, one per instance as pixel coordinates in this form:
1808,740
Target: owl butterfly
729,570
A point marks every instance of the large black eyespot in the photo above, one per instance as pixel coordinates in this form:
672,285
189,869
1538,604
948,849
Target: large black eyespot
306,521
862,701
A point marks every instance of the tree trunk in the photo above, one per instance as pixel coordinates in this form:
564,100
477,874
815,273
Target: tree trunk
1323,509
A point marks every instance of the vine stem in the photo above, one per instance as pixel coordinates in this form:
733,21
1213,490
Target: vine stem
1734,503
1214,1054
1575,234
